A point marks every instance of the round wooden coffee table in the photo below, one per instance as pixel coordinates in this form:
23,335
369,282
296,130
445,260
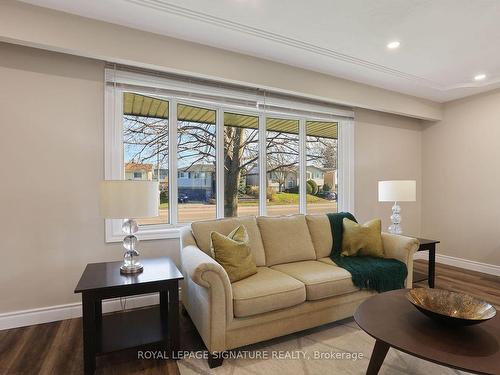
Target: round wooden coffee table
394,322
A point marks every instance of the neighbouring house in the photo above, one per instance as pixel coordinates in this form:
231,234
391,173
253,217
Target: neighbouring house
138,171
289,180
330,177
316,174
162,172
197,182
250,177
277,180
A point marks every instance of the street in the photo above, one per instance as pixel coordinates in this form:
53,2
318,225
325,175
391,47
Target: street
190,212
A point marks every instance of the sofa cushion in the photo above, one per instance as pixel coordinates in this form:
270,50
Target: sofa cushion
267,290
321,234
322,280
286,239
202,229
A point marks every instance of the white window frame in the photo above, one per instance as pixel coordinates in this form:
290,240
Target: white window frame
113,153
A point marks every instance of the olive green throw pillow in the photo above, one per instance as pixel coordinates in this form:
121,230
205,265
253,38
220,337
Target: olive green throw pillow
233,253
362,240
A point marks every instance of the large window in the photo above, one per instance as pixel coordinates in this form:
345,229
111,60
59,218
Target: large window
227,157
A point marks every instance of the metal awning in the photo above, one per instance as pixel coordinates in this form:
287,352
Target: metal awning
196,114
242,121
322,129
147,106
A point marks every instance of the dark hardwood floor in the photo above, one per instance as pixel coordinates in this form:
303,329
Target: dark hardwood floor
56,348
483,286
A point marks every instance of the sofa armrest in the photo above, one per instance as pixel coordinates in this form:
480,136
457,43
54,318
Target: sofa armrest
206,294
401,248
204,270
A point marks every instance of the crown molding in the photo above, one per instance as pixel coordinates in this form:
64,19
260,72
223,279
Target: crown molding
172,9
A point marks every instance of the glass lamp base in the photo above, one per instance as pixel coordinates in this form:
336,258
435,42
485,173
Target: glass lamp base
395,227
130,264
137,268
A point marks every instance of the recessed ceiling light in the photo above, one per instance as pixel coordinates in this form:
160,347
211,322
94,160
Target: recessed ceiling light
393,45
479,77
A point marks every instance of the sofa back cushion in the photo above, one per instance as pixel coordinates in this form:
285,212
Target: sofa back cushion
321,234
202,229
286,239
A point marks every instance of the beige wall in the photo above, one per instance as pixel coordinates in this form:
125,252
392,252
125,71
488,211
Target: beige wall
387,147
461,164
51,115
51,108
67,33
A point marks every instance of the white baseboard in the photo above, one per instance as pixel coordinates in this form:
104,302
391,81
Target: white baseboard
472,265
23,318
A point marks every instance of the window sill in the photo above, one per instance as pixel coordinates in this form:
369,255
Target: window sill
145,233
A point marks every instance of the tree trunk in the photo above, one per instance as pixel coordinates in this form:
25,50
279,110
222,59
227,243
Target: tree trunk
232,170
231,183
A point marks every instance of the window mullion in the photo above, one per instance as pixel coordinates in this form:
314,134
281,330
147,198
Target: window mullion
302,167
262,165
345,166
219,162
172,162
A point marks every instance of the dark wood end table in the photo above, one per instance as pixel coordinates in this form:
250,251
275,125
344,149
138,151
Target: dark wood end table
430,246
394,322
157,325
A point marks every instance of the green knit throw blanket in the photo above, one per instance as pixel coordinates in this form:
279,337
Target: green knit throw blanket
380,274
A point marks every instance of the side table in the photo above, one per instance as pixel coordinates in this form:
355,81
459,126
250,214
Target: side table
133,328
430,246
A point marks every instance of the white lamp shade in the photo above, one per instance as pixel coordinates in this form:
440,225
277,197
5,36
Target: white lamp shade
397,191
129,199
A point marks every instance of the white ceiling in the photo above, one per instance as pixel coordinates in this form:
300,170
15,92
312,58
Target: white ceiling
444,43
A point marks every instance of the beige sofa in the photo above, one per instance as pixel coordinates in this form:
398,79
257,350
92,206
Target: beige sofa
297,285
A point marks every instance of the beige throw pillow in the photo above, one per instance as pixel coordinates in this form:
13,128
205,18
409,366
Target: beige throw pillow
233,253
362,240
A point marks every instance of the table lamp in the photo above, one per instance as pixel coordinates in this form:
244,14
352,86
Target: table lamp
129,200
397,191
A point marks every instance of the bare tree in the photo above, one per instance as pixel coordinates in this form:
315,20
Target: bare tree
280,166
146,140
322,152
241,153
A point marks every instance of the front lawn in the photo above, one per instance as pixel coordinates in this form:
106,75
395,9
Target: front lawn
291,198
283,199
277,200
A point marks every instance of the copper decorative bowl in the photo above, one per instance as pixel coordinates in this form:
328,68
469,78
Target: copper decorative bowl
451,307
